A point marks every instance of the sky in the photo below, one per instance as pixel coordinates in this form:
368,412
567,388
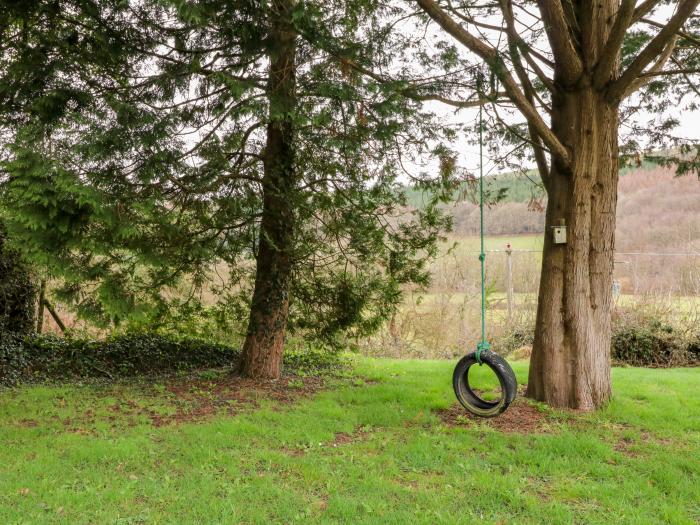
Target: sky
468,154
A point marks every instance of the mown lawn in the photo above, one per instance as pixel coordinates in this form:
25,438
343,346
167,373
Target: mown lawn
370,450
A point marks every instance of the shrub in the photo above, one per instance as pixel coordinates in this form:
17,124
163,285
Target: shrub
43,357
693,349
312,359
49,357
644,337
18,291
13,358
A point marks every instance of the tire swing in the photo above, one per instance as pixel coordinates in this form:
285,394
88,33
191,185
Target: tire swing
483,354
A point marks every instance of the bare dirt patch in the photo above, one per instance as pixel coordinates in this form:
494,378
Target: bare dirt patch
200,399
343,438
339,439
520,418
294,452
185,400
624,446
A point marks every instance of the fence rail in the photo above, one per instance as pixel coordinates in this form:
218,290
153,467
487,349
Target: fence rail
637,273
679,254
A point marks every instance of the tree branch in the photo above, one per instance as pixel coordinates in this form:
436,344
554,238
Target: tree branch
619,87
490,56
670,72
567,59
686,36
518,46
513,38
691,85
55,316
481,101
643,10
606,63
655,69
535,66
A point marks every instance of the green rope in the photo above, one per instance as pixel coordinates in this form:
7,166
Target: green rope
483,344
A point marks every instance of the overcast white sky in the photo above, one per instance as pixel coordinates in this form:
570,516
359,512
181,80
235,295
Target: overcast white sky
468,153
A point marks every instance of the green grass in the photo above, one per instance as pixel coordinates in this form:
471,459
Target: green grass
402,465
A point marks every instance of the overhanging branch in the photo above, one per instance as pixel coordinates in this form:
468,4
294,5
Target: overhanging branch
657,68
560,37
618,88
643,10
490,56
604,68
686,36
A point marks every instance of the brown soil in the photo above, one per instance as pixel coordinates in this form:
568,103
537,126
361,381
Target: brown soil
624,446
520,418
342,438
201,399
189,400
339,439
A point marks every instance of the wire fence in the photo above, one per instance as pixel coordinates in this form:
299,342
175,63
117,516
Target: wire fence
512,271
445,319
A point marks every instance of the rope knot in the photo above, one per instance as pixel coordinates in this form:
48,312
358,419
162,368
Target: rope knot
480,347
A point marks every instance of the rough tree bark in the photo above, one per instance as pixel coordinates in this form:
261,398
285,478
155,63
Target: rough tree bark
570,365
264,343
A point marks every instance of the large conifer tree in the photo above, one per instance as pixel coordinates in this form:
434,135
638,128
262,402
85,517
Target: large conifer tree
186,133
564,76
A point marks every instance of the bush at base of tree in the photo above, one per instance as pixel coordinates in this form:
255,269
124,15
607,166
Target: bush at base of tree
38,358
18,291
654,343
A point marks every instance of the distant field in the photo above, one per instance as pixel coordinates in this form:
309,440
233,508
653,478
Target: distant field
464,245
439,321
498,299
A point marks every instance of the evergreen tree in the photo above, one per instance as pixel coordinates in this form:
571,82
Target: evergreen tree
198,132
561,78
18,291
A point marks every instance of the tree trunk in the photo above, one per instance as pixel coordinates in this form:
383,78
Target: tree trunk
263,347
18,291
40,307
570,365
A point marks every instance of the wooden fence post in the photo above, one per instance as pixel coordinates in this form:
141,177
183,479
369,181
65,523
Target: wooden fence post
509,281
40,309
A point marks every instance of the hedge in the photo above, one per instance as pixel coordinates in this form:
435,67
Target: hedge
37,358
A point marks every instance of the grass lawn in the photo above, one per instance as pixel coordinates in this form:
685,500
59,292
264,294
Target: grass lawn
370,449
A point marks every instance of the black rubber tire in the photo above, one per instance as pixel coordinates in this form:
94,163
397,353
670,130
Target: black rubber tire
472,402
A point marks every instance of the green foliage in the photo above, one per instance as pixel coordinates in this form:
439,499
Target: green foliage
304,358
138,184
652,342
503,187
47,357
13,358
18,290
36,358
222,322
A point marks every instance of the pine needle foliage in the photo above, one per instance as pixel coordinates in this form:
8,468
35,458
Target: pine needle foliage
134,160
